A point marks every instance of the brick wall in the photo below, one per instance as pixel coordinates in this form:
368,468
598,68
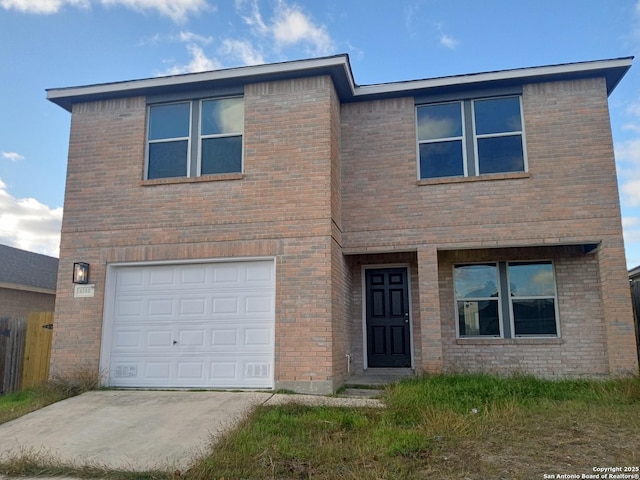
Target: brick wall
281,206
581,349
322,179
568,196
19,303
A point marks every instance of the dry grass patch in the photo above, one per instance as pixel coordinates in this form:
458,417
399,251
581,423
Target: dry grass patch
448,426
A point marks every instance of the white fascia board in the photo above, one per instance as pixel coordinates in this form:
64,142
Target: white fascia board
498,76
338,66
65,96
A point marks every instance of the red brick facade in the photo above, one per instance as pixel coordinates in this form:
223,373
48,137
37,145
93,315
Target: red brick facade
330,187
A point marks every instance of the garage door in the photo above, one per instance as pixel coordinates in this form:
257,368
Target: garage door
195,325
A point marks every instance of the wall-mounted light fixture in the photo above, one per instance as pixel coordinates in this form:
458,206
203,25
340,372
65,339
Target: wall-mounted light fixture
80,272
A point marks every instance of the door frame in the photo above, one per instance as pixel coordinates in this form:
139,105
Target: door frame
363,268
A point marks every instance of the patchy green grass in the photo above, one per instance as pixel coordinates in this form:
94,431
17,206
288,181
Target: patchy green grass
444,426
17,404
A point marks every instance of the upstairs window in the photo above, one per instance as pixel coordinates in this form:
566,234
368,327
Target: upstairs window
194,138
470,138
506,299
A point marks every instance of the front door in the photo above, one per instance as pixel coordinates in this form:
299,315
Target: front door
387,317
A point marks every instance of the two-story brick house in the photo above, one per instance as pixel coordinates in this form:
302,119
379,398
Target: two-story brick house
279,226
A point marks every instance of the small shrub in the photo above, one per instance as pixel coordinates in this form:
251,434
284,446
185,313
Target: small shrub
73,384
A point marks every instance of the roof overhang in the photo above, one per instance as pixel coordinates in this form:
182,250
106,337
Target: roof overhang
339,69
27,288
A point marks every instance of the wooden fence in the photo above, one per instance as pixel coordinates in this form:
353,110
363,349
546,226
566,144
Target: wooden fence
25,348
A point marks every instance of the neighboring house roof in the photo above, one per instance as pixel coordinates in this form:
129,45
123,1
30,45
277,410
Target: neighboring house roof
339,68
634,273
22,270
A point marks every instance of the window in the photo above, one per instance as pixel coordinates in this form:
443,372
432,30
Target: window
194,138
532,296
471,137
506,299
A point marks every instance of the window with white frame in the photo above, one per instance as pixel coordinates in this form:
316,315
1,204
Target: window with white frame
506,299
194,138
470,137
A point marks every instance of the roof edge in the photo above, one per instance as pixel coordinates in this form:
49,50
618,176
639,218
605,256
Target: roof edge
339,68
27,288
576,69
337,65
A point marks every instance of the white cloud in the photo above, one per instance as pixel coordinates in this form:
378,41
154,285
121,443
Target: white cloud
178,10
12,156
28,224
190,37
291,26
628,151
41,6
242,50
628,161
631,229
634,108
253,17
628,222
632,127
448,41
199,63
288,26
631,192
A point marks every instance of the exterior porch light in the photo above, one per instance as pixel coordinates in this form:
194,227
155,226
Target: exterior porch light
80,272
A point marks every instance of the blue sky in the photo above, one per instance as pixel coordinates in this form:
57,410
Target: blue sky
60,43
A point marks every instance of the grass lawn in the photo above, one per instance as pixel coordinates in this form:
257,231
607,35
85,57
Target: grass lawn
440,427
17,404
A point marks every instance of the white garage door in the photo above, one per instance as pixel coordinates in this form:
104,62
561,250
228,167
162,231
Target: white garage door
193,325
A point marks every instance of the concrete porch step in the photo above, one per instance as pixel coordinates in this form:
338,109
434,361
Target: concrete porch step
361,393
378,377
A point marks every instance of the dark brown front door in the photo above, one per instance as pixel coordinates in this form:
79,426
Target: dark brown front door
387,316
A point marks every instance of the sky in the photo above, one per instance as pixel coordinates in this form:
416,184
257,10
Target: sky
64,43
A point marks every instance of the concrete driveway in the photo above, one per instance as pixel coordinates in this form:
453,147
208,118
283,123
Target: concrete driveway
134,430
140,430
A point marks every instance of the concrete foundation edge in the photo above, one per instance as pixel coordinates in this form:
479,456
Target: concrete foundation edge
324,387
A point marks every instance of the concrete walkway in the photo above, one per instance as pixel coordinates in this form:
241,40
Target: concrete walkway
139,430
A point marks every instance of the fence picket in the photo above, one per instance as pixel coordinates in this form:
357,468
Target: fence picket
37,351
25,350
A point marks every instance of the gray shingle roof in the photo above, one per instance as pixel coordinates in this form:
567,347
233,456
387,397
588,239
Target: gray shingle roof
27,268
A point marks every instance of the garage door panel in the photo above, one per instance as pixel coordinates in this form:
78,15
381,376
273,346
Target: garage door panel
216,372
250,336
196,325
